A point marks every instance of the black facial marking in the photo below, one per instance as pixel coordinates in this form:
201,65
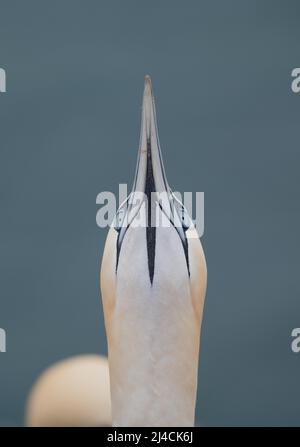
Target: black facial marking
186,253
178,210
118,251
150,229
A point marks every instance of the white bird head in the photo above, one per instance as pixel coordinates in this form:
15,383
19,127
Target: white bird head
153,283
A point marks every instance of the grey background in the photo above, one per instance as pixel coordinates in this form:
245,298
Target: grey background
229,126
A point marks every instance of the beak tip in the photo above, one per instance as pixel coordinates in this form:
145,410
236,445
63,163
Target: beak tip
148,85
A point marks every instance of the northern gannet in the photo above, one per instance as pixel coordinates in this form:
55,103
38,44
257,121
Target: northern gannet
71,393
153,284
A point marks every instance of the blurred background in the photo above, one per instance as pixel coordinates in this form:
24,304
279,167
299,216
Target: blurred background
229,126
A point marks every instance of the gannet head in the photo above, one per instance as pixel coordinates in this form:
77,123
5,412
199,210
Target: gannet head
73,392
153,282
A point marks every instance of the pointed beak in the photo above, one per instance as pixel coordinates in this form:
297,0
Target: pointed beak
139,209
150,173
